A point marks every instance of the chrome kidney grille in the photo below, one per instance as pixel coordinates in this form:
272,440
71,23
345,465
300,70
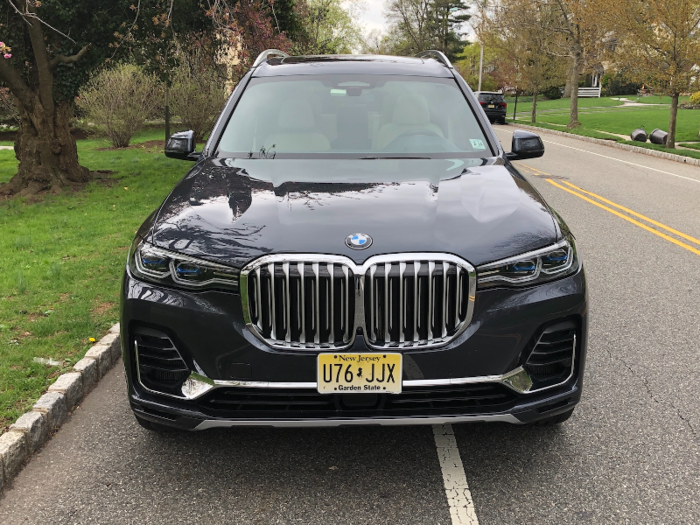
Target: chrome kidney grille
301,303
415,303
308,302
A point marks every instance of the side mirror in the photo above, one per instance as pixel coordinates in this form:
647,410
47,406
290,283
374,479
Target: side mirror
181,146
525,145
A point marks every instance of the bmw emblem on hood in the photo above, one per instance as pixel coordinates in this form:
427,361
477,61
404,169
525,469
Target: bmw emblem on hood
358,241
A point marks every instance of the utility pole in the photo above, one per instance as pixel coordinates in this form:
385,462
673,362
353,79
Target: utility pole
481,65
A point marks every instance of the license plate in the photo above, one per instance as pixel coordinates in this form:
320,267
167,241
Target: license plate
491,106
378,373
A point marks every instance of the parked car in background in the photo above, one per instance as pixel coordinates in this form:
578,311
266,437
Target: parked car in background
493,104
353,246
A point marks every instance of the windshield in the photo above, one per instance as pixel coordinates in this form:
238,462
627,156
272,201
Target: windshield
351,116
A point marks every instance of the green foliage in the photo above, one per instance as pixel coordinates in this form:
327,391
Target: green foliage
418,25
285,14
552,93
329,27
68,254
467,64
154,39
120,100
198,92
91,22
617,84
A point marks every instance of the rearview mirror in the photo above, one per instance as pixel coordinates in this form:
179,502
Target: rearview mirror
525,145
181,146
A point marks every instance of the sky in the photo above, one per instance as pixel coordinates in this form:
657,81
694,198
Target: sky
371,15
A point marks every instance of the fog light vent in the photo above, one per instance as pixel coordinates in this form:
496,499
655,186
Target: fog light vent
552,358
160,365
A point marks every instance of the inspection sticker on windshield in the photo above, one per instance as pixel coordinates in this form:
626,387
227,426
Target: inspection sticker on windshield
377,373
477,143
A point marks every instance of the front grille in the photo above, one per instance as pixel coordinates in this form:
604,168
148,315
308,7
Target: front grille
415,302
160,365
289,403
552,358
321,301
302,304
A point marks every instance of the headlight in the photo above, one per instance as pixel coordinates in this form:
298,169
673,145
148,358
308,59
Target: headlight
531,268
154,264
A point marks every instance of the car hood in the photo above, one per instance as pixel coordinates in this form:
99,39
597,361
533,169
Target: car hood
234,210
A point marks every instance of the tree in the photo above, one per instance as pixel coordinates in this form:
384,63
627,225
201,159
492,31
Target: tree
418,25
410,21
50,49
575,31
467,64
330,27
446,18
658,42
513,31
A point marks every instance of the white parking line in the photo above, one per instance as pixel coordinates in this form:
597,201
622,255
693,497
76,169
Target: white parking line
614,158
456,488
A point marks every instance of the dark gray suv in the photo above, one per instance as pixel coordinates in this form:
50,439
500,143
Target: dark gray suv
494,105
353,246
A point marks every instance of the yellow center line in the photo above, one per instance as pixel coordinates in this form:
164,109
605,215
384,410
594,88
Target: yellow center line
628,219
618,206
627,210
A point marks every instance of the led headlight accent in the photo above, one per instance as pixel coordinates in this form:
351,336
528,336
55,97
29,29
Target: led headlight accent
157,265
535,267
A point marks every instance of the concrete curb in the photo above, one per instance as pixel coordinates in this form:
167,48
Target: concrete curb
626,147
34,428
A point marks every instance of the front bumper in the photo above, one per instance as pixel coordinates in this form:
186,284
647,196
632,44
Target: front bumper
464,381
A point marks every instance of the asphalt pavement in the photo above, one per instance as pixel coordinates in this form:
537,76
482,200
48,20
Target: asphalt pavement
630,453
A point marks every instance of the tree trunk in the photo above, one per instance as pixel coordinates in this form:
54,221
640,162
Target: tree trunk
46,151
534,107
567,87
573,112
671,139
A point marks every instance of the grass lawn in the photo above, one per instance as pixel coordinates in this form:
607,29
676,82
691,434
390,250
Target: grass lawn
623,121
648,145
562,104
585,132
62,260
655,99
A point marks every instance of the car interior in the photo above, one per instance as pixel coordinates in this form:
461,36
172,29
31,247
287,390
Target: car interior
316,116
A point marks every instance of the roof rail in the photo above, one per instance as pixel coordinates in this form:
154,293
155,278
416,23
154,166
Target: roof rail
268,53
437,55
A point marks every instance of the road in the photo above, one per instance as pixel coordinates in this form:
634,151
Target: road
630,454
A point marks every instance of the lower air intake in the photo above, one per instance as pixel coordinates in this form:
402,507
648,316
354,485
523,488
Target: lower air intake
552,358
160,365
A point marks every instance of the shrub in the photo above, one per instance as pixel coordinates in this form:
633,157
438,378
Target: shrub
198,92
618,84
695,99
119,101
552,93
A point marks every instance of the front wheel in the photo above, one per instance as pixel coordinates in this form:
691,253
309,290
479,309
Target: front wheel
553,420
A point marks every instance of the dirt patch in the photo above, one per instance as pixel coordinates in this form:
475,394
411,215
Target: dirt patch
102,308
148,145
104,177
